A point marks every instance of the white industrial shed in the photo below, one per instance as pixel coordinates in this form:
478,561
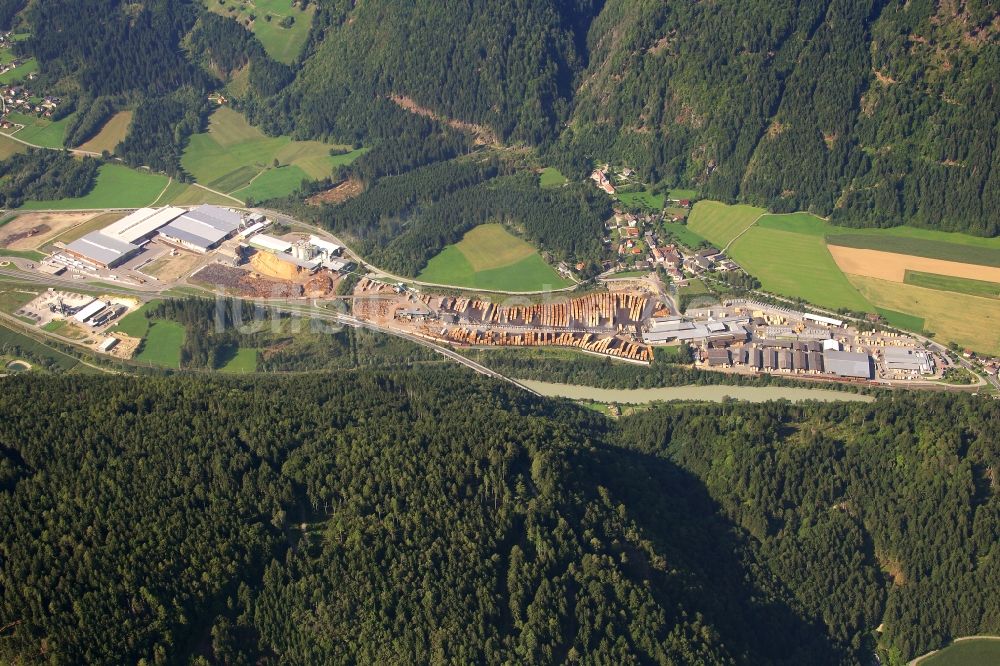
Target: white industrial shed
141,224
270,243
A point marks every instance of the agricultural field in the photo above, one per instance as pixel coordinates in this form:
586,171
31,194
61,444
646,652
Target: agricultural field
719,223
956,284
970,321
9,147
117,186
490,257
243,361
893,266
282,39
192,195
39,131
551,177
796,266
921,247
916,278
233,155
969,652
273,183
162,344
111,134
902,320
642,199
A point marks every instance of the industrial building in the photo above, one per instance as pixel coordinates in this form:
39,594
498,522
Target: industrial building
326,247
270,244
89,310
908,361
101,250
848,364
140,226
203,228
729,329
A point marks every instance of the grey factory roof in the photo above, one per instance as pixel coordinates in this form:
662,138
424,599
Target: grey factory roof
897,358
847,364
101,249
204,226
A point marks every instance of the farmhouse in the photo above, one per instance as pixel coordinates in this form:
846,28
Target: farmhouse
101,250
203,228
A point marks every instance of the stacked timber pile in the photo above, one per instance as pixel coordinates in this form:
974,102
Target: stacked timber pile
605,310
609,345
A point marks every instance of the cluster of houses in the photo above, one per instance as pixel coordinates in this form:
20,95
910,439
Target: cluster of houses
640,247
19,99
602,176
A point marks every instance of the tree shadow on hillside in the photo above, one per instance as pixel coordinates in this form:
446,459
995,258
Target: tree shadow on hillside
718,574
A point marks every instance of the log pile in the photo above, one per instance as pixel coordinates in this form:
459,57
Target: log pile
603,310
609,345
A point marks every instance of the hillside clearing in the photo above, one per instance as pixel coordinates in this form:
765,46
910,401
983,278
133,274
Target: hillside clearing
162,344
282,43
111,134
232,155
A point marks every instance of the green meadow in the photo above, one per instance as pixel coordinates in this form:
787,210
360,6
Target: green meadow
117,186
232,156
719,223
551,177
950,283
644,199
284,44
971,652
40,131
162,344
242,362
490,257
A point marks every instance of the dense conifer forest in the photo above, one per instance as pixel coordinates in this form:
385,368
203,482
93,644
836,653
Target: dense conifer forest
408,517
44,174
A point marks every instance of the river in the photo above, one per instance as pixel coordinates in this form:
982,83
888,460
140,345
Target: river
709,393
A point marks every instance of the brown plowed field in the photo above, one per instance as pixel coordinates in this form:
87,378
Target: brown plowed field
891,266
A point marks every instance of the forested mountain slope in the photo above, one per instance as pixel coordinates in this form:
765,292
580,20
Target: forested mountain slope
435,516
872,111
877,111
